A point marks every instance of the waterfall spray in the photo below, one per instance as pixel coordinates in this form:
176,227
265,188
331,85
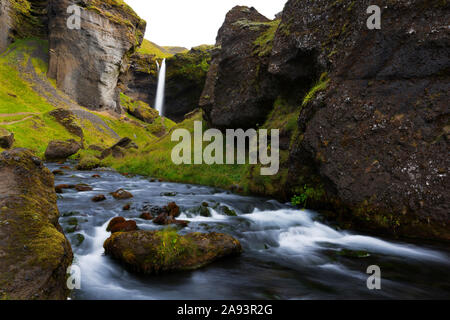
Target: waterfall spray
159,104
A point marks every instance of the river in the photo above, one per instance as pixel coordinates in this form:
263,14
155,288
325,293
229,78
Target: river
287,253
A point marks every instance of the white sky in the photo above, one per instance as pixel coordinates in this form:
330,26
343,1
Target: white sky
190,23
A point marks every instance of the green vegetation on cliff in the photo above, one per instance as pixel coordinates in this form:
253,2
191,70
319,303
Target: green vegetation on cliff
150,48
27,97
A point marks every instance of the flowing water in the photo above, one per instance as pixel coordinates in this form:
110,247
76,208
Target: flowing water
159,103
288,253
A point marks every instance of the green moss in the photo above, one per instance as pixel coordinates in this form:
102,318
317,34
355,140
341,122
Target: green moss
172,247
321,85
264,43
308,193
88,162
192,65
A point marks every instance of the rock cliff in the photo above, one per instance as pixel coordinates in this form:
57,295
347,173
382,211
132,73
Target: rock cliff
86,63
185,79
371,141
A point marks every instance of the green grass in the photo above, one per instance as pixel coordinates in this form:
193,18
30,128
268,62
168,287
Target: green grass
321,85
18,96
150,48
155,161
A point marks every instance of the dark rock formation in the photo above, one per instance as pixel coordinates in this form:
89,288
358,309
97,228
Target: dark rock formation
99,198
61,150
376,137
140,81
118,149
86,63
22,19
239,92
185,79
32,245
6,139
152,252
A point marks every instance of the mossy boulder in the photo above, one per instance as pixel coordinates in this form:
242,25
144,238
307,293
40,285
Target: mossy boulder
58,150
139,109
120,224
152,252
32,244
6,139
88,162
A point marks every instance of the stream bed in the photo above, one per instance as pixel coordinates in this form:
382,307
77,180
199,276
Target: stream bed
287,253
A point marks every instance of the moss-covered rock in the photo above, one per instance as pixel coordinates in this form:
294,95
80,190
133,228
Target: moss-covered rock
88,162
34,253
152,252
139,109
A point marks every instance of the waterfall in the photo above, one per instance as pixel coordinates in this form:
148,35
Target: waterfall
159,103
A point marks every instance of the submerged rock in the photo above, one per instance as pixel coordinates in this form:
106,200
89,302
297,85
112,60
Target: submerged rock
146,216
120,224
32,244
152,252
99,198
83,187
59,188
121,194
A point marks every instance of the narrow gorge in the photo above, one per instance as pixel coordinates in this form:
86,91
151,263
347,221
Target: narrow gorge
88,116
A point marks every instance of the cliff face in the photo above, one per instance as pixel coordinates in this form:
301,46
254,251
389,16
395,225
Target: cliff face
34,253
86,63
19,19
371,141
185,79
239,92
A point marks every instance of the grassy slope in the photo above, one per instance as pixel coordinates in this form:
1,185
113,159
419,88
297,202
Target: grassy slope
18,94
154,155
148,47
155,160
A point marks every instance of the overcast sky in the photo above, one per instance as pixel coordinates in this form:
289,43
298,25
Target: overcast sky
189,23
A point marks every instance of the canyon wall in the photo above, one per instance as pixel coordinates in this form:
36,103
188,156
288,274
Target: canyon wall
371,143
86,63
185,79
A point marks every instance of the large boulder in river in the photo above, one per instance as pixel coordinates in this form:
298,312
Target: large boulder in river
6,139
239,92
34,253
86,63
58,150
152,252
